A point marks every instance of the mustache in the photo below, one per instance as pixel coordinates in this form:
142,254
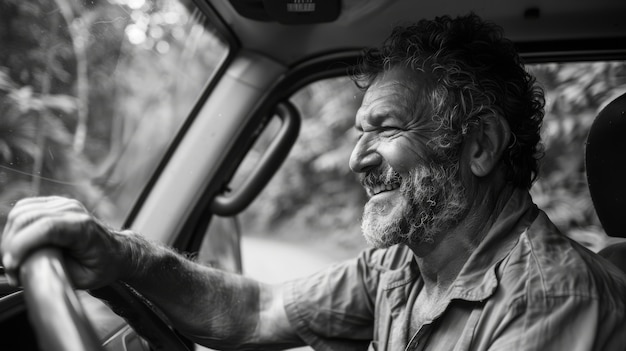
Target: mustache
380,176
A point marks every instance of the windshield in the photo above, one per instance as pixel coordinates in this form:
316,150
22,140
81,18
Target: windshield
93,92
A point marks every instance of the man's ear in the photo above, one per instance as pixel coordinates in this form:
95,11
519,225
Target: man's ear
487,142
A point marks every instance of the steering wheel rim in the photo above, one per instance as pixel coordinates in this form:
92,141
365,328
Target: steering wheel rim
49,293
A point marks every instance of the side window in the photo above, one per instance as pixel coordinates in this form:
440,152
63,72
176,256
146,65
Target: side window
92,94
575,93
310,211
309,214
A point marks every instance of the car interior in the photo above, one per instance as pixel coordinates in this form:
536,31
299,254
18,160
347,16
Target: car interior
605,172
224,117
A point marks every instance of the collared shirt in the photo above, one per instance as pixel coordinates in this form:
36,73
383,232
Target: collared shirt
526,287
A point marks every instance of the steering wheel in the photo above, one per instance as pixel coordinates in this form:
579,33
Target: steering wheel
59,318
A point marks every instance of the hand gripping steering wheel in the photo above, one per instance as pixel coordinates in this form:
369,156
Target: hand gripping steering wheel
59,318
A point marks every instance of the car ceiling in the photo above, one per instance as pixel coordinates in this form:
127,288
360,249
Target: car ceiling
537,25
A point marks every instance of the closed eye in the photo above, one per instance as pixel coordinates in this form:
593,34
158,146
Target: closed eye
389,130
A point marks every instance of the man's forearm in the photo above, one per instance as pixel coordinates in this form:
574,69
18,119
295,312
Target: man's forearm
214,307
205,303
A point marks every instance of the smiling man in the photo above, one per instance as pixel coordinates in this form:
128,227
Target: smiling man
414,193
448,148
461,258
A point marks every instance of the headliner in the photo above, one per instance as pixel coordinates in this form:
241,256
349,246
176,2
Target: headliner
537,25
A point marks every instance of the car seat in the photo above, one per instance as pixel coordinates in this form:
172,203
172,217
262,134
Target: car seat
605,160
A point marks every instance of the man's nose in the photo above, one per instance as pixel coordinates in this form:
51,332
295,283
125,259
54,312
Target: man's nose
364,157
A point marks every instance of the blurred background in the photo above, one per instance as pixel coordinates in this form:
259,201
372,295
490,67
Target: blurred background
93,92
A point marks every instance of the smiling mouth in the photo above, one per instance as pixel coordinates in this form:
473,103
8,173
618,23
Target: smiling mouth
380,180
377,189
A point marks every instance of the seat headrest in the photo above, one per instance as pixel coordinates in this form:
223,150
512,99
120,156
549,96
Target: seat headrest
605,160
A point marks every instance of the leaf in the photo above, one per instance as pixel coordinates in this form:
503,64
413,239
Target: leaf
63,103
6,83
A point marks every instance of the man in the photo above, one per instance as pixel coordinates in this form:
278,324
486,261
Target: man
461,259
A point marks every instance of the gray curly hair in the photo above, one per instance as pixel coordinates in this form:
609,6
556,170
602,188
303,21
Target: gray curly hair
474,72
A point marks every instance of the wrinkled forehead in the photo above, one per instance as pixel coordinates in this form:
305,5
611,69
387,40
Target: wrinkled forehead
395,91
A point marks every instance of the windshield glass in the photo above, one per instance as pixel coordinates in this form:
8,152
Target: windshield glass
93,92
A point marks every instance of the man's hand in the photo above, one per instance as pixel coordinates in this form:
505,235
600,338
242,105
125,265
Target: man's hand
93,254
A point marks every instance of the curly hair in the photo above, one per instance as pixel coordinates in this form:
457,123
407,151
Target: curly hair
473,71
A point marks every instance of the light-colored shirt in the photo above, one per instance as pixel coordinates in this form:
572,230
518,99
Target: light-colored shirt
526,287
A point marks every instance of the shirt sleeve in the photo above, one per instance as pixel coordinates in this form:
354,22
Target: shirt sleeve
334,309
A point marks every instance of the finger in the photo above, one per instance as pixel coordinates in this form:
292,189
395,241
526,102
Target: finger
15,212
19,208
27,210
22,215
53,229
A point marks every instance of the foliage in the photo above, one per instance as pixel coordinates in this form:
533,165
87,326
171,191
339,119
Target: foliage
575,93
315,192
92,92
36,155
68,130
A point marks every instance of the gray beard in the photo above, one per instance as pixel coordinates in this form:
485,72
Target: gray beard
433,201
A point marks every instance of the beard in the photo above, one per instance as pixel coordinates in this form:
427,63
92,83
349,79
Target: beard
432,199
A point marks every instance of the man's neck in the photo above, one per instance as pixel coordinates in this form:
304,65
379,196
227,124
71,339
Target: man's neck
441,262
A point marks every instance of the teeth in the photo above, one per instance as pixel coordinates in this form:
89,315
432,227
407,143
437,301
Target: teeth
380,188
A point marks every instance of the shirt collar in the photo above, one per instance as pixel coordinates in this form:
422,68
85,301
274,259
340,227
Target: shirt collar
477,279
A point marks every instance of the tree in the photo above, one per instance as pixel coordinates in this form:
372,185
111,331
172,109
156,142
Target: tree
315,193
92,92
36,155
576,92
